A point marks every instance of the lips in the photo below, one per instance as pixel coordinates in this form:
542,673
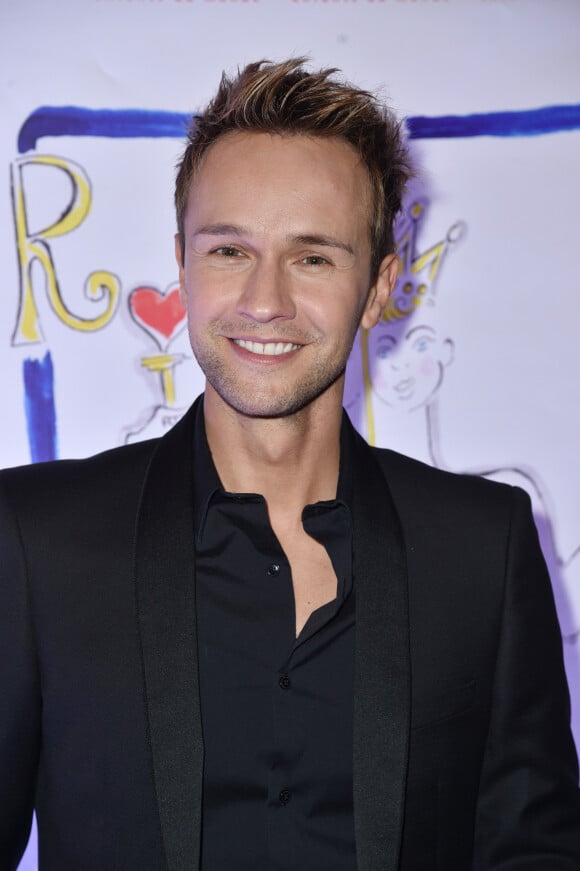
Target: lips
405,387
270,349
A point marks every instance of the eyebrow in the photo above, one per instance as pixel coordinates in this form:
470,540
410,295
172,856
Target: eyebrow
303,239
420,327
323,241
221,230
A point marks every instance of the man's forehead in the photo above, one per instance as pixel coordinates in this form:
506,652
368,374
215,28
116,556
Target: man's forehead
332,158
275,175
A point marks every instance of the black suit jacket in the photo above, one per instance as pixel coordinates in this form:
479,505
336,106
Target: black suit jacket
462,752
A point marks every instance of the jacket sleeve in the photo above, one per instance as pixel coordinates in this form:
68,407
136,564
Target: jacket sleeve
19,694
528,816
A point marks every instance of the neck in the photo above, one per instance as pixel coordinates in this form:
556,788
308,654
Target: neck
292,461
413,433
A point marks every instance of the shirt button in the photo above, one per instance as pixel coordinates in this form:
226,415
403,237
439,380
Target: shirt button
284,796
284,682
274,570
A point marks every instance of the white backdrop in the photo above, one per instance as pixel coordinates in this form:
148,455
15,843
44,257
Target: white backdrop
482,376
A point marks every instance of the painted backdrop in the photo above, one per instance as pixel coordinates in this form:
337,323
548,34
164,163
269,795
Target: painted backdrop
474,366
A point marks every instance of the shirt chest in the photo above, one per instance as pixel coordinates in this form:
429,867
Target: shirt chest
276,709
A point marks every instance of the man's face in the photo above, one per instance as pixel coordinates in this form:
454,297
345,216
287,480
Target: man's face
276,269
407,373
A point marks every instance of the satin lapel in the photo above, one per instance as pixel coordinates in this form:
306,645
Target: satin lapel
382,668
164,578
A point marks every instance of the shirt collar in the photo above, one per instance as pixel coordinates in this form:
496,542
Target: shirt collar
206,479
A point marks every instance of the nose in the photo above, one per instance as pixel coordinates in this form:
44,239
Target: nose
398,363
266,294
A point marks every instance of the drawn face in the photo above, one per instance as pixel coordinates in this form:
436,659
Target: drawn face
276,267
407,373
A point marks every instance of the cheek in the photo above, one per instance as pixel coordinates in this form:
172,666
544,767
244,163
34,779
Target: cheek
336,317
427,367
208,295
380,371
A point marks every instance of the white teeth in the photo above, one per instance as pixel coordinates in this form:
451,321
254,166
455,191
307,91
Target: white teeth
273,349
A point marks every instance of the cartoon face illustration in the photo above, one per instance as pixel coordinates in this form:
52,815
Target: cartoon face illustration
406,371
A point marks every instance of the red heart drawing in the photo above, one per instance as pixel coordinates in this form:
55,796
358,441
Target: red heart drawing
160,314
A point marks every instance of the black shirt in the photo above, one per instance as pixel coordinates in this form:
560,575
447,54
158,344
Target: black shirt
277,710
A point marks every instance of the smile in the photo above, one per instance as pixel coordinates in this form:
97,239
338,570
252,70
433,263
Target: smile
272,349
405,387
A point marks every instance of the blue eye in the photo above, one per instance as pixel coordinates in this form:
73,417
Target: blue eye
422,345
383,353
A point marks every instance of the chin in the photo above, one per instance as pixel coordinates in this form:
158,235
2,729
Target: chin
273,407
271,404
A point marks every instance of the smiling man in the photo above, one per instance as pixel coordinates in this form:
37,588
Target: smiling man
258,643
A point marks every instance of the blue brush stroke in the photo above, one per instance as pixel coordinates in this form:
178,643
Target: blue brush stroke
112,123
140,123
528,122
40,408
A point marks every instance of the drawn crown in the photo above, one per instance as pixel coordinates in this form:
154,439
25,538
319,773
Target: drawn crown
417,271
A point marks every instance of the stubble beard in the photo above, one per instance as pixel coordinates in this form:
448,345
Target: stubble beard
278,398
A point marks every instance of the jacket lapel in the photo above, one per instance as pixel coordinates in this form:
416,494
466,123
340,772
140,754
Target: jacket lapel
165,589
382,668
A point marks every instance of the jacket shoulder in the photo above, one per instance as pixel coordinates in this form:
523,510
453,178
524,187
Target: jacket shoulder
413,475
78,480
448,501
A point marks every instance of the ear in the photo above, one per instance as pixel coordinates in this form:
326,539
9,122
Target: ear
179,258
380,291
448,352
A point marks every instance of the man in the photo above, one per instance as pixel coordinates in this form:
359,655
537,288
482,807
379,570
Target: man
187,679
